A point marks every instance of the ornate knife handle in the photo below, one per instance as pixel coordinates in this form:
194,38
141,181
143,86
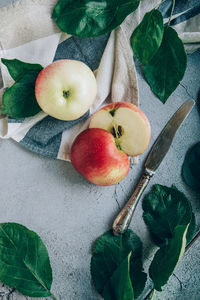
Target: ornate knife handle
123,219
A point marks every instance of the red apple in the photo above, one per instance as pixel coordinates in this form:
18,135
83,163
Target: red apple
127,123
94,154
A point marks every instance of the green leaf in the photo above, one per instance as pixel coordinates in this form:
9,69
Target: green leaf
24,261
191,167
164,209
167,67
168,215
147,37
119,286
167,257
108,254
19,100
89,18
17,68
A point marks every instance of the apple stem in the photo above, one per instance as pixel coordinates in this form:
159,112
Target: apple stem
65,94
112,112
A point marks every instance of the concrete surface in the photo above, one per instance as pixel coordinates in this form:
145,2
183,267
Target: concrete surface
51,198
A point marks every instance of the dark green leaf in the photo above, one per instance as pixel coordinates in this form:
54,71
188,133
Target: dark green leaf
164,209
19,100
17,68
167,67
119,287
109,253
168,215
91,18
191,167
167,257
147,37
24,261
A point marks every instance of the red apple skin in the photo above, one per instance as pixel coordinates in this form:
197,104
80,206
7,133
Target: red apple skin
95,155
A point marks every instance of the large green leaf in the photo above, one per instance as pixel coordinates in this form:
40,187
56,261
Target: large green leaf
17,68
91,18
167,257
109,253
24,261
164,209
147,37
191,167
119,286
167,67
19,100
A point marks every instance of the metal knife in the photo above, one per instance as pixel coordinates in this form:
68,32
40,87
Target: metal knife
154,158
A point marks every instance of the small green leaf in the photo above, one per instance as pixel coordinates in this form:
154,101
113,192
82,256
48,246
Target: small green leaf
167,257
89,18
17,68
191,167
119,286
164,209
147,37
109,253
24,261
167,67
19,100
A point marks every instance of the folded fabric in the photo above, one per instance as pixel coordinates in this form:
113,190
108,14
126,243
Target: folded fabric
186,21
32,36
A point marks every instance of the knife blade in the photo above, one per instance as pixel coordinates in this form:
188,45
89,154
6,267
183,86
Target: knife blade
164,140
154,159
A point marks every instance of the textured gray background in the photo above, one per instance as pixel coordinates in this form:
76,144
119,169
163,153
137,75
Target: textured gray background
69,213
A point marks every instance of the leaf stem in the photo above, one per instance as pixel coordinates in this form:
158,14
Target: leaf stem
150,295
153,294
53,296
173,5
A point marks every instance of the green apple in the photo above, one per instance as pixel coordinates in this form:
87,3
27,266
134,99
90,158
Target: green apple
66,89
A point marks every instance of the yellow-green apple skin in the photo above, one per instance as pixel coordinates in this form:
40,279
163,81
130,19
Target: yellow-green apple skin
128,124
95,155
66,89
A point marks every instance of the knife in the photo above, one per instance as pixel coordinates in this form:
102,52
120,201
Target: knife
154,158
